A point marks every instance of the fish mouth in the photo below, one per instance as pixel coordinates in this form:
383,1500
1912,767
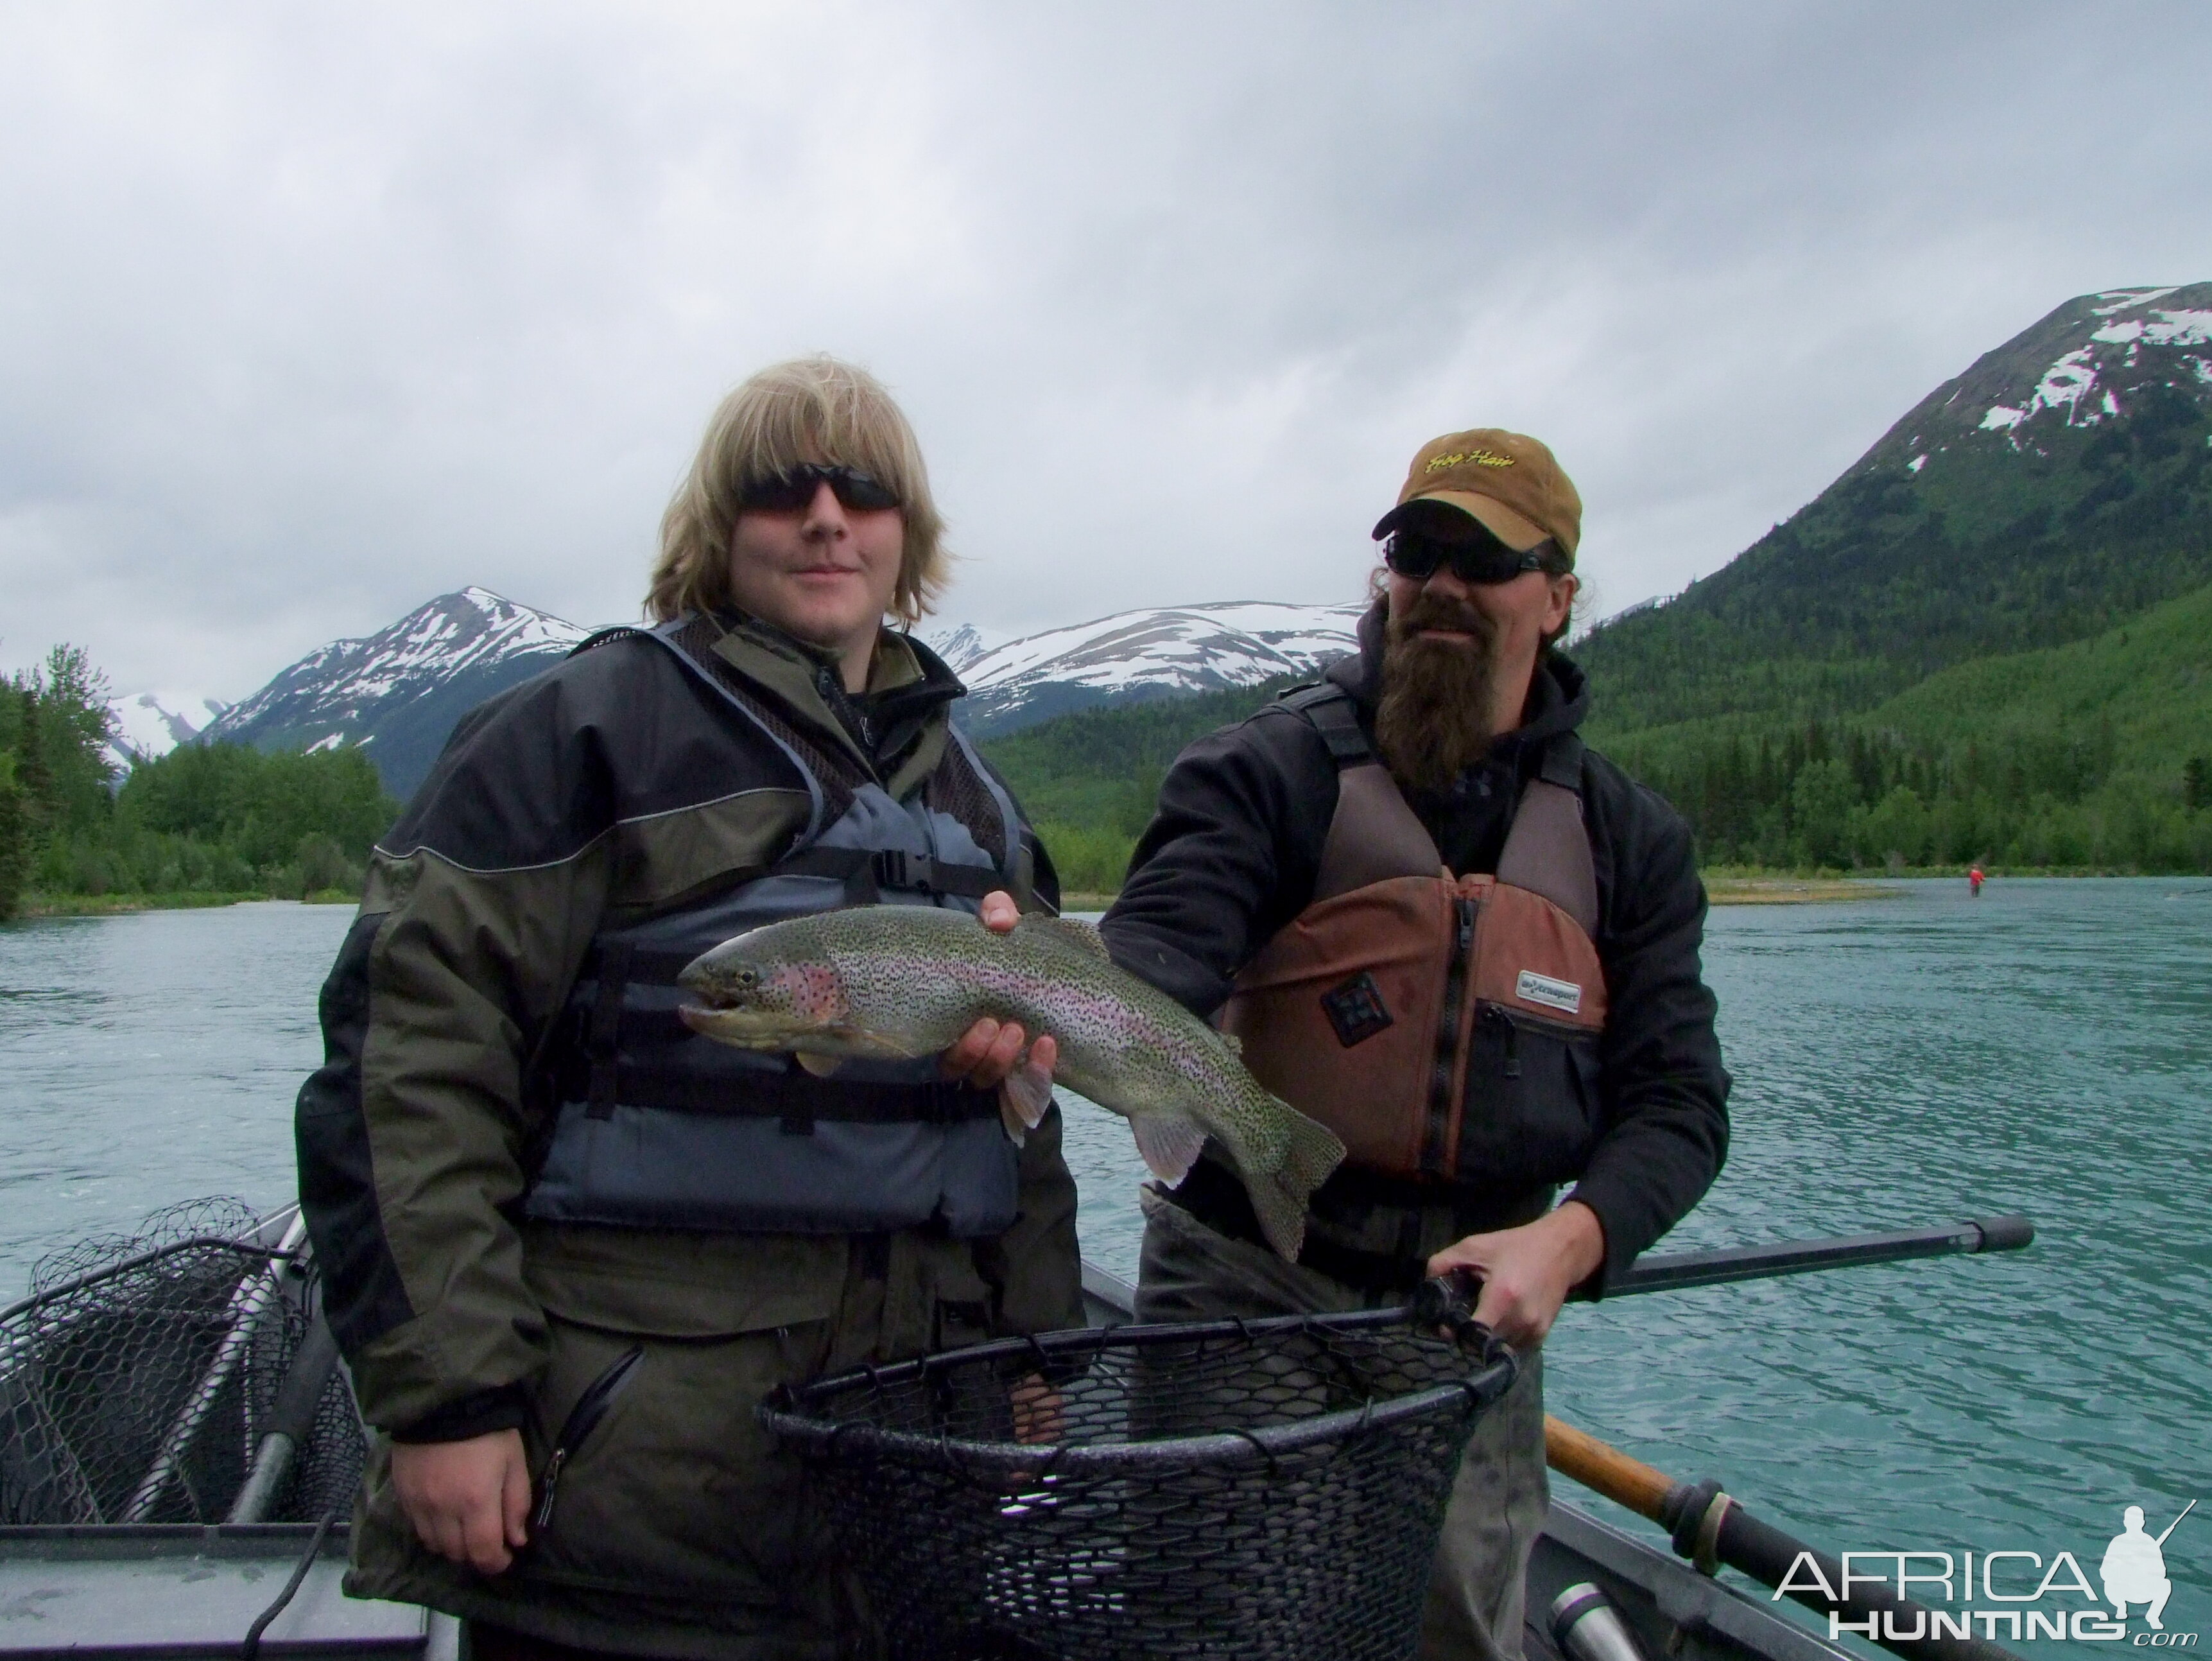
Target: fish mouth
724,1019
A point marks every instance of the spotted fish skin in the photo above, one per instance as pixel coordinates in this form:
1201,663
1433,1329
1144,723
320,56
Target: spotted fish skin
907,981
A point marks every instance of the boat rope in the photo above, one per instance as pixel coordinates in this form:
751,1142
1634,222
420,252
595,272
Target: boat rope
251,1649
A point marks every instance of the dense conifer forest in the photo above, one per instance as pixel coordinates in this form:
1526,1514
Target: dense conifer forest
2096,756
202,824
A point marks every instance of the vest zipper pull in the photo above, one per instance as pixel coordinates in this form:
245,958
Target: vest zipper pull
550,1481
1512,1045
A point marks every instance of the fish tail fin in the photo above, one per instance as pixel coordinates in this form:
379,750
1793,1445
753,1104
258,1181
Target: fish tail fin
1314,1152
1282,1214
1279,1198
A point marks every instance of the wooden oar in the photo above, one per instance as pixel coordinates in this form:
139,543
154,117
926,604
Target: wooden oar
1710,1528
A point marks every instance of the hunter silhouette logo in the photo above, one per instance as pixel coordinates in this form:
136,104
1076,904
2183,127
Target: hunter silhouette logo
2133,1569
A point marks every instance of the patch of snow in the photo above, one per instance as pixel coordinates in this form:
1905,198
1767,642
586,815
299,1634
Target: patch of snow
2112,405
330,741
2117,332
152,724
1916,463
2067,381
2178,329
2128,299
2001,418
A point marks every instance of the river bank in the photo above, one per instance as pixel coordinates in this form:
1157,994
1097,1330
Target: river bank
117,905
1733,885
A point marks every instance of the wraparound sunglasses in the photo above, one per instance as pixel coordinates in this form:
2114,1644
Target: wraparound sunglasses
790,492
1473,559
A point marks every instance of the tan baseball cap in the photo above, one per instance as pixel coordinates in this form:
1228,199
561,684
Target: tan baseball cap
1508,481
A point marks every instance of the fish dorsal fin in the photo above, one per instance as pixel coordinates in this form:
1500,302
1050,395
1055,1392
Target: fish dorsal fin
1070,931
1231,1043
1170,1145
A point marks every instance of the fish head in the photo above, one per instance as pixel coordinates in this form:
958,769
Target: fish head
756,992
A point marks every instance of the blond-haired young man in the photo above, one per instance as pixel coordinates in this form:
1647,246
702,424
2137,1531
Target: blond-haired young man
567,1245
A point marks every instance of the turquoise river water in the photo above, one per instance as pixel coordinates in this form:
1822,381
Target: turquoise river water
1919,1059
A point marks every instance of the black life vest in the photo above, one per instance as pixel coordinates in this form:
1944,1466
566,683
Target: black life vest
656,1126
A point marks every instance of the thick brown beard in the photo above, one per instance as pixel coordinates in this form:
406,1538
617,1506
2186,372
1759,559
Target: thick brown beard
1433,721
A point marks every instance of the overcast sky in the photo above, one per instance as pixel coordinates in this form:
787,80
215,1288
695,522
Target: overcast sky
308,313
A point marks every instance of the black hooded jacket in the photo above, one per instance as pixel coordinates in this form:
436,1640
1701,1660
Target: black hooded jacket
1231,856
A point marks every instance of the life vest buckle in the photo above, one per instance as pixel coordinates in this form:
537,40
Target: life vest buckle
896,868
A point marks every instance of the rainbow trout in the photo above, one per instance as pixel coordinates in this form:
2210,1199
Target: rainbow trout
906,981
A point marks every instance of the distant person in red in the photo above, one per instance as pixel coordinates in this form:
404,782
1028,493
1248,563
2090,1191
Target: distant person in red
1974,880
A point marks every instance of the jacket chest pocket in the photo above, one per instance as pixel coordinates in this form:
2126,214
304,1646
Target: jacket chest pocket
1530,1112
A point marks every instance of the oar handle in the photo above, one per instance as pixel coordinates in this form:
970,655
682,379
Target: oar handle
1605,1468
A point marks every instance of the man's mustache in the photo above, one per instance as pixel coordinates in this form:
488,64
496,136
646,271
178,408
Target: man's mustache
1431,612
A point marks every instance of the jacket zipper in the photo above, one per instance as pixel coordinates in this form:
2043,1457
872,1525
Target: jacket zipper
1518,1021
1434,1153
583,1418
1491,1012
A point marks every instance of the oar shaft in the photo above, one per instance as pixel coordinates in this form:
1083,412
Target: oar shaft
1678,1270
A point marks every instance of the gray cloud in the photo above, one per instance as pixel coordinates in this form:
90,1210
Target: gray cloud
309,316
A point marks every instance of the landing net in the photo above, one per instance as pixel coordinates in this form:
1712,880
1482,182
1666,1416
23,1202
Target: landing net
1263,1488
138,1378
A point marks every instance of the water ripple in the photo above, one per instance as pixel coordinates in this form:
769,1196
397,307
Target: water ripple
2045,1049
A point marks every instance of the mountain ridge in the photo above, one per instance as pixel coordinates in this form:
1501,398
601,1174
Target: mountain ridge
399,691
2057,485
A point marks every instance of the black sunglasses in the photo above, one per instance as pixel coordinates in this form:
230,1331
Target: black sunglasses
1473,559
792,491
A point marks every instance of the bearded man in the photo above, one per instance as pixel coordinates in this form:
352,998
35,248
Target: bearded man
1465,942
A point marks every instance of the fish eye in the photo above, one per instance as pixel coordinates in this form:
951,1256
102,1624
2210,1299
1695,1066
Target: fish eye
748,979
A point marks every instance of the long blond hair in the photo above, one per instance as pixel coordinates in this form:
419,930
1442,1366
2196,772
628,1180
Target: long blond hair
811,409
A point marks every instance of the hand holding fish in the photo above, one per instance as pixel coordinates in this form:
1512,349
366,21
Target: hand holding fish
987,1054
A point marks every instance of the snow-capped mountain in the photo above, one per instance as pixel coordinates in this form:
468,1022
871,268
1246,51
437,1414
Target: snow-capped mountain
401,690
2093,361
1156,653
2060,484
154,723
961,643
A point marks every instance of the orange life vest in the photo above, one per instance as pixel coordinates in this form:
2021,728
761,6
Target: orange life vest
1445,1027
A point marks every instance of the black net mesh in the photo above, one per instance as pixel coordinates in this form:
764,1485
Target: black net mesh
138,1378
1268,1487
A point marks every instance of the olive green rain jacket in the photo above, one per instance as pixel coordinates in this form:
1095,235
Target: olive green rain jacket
618,787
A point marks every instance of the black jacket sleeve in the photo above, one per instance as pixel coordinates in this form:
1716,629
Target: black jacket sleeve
1229,858
1663,1088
